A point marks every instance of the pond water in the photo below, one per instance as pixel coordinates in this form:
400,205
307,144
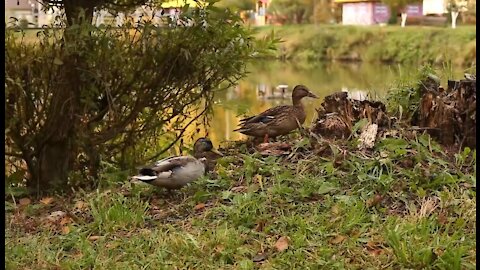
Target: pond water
254,93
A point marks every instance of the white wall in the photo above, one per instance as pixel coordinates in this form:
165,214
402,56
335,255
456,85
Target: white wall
357,14
434,7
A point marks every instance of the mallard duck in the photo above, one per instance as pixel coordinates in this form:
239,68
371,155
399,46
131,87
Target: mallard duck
177,171
203,148
279,120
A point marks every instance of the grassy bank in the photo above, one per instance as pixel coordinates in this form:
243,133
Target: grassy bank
390,44
406,205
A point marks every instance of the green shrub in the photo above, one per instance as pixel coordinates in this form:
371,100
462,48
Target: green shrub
81,95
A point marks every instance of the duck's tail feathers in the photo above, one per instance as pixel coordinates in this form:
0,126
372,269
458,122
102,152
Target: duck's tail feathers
241,130
144,178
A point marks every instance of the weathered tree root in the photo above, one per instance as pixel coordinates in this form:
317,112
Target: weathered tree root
447,115
450,115
339,113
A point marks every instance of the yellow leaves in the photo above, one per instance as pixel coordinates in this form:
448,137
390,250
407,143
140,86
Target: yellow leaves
219,248
258,179
66,220
282,243
335,210
46,200
65,229
338,239
80,205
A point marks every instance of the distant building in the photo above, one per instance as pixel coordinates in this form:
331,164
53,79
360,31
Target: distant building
363,12
368,12
261,12
434,7
29,10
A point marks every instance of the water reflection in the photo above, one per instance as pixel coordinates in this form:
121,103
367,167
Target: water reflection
270,83
263,87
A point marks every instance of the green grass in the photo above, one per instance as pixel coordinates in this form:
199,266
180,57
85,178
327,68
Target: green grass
417,44
406,205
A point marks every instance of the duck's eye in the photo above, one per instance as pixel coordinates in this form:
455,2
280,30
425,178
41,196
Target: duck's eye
208,144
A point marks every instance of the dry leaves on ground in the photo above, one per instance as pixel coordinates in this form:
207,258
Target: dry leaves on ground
24,201
338,239
199,206
282,243
94,237
46,200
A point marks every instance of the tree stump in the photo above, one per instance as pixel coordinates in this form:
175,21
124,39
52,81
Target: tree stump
338,114
450,115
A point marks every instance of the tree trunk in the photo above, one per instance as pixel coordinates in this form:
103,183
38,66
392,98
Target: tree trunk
54,165
454,19
404,19
79,11
55,158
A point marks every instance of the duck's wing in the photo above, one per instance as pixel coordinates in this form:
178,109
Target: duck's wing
265,116
172,163
163,168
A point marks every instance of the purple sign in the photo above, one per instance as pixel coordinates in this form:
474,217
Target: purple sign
414,10
381,13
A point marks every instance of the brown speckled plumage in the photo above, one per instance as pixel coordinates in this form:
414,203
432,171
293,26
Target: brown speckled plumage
279,120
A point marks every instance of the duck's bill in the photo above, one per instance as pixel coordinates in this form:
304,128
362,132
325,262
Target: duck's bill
312,95
217,152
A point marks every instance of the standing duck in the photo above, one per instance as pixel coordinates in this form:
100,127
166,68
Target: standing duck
279,120
177,171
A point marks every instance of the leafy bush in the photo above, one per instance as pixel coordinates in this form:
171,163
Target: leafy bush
77,96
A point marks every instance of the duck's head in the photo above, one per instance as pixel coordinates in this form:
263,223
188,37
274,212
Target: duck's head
300,91
204,145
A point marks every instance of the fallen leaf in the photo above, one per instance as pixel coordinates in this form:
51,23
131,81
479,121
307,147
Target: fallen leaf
219,248
56,216
145,231
375,252
47,200
94,237
239,189
112,245
335,210
442,219
338,239
258,178
374,200
65,229
260,257
24,201
371,245
199,206
66,220
80,205
282,243
260,225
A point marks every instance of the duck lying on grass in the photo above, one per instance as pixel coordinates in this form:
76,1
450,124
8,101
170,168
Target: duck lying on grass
177,171
279,120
